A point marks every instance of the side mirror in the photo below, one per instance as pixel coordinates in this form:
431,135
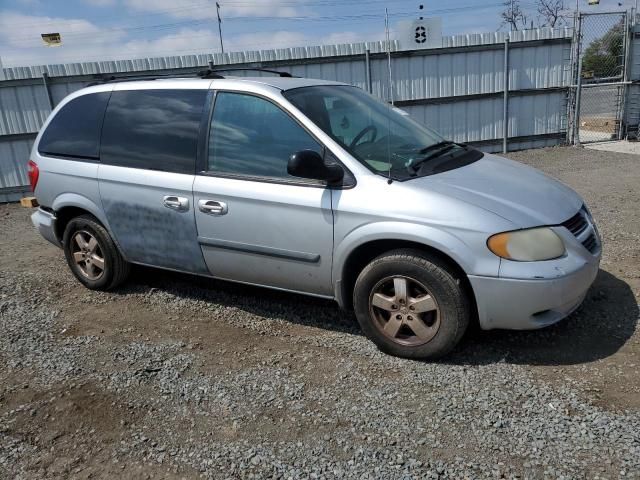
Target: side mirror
309,164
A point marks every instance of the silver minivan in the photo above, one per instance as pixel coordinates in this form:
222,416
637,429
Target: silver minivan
312,187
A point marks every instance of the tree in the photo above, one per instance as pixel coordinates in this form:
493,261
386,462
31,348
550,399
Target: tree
551,12
603,56
513,15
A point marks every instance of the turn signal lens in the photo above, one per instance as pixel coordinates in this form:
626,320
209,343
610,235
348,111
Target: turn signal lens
533,245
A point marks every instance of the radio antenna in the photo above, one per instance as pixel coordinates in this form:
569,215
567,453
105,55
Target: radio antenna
386,29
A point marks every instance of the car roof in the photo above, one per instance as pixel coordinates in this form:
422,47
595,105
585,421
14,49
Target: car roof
281,83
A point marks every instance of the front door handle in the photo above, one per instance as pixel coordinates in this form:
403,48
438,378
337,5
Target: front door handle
213,207
176,203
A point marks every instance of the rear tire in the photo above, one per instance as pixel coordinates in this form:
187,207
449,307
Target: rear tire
92,254
411,304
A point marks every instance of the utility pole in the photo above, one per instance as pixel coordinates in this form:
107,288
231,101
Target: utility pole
219,26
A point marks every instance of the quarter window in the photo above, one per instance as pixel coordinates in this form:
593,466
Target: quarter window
153,129
75,130
251,136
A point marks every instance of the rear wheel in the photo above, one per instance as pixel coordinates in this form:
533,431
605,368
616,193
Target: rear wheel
411,304
92,254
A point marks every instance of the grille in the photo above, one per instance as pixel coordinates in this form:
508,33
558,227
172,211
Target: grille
591,243
578,224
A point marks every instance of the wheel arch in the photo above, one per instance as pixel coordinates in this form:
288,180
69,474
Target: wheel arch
70,205
352,257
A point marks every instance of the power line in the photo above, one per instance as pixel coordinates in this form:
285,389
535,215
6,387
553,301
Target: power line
95,38
169,26
204,49
234,19
158,53
155,52
200,7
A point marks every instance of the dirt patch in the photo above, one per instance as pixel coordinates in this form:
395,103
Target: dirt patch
599,124
175,376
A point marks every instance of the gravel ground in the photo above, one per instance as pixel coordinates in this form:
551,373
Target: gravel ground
174,376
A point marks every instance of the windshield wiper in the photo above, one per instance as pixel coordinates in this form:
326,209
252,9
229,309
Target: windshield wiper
435,146
440,148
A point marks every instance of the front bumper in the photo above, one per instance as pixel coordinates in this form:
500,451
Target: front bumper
45,223
530,295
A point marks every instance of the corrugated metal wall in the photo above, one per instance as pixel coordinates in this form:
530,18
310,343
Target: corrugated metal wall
632,106
14,154
456,89
477,120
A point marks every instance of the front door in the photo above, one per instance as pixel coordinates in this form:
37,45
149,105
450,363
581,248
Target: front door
256,223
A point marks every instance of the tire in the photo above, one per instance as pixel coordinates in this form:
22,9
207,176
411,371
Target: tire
431,319
103,268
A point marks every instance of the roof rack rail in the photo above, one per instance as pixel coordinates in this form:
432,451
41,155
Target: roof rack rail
206,73
280,73
111,78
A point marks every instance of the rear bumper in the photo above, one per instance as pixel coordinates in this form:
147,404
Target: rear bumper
45,223
526,304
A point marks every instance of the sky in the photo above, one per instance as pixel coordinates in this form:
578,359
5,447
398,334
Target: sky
94,30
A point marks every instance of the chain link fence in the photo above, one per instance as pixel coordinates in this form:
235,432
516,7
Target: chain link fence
601,82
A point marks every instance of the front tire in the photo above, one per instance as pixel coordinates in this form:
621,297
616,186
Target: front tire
92,254
411,304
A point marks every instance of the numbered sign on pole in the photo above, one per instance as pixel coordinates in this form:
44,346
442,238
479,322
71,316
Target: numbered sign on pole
422,33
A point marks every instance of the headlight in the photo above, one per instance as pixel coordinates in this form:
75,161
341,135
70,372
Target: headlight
530,245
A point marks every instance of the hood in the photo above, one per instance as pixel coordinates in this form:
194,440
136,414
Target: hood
521,194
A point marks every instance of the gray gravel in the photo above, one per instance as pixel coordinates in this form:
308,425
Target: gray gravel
180,377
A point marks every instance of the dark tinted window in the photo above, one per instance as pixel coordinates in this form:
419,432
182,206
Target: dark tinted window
153,129
75,130
252,136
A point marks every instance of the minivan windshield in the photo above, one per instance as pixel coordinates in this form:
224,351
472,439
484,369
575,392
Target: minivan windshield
382,137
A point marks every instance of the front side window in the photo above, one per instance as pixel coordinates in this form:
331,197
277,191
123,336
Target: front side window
251,136
153,129
75,130
382,137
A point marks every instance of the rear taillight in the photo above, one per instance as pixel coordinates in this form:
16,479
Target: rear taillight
33,173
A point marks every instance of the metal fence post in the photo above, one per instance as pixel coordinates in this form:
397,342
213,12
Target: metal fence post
625,76
573,79
505,105
45,82
576,123
576,113
367,69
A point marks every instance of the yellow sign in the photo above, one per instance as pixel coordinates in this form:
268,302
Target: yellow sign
594,2
51,39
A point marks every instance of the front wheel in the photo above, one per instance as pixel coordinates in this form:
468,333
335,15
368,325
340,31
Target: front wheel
92,254
411,304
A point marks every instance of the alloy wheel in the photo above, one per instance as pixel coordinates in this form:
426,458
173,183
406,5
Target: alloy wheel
87,255
403,309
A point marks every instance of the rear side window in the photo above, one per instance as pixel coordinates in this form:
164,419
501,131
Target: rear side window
153,129
75,130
